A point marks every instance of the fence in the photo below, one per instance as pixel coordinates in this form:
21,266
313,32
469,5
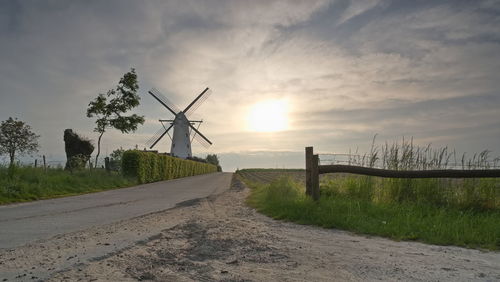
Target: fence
314,169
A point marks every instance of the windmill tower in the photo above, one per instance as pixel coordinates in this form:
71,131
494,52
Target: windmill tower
184,129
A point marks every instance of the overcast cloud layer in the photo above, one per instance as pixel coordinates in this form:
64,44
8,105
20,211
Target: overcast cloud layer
349,70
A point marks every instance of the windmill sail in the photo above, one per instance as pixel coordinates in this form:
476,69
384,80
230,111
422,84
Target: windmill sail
157,136
200,135
197,102
164,101
202,141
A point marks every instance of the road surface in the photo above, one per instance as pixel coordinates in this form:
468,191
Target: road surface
28,222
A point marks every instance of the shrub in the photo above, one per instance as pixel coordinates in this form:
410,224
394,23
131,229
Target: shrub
151,167
78,150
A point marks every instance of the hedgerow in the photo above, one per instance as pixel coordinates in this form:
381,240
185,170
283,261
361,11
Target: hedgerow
151,167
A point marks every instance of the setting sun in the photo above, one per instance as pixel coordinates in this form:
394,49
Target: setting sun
268,116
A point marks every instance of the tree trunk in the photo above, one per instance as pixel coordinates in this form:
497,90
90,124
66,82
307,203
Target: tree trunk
12,155
98,148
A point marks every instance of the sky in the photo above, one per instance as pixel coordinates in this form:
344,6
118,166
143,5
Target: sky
337,72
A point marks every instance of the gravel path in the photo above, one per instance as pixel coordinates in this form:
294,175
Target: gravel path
221,239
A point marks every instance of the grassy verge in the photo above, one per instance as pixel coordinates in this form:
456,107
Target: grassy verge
28,183
464,194
404,220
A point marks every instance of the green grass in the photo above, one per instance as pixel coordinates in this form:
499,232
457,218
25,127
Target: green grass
29,184
462,212
477,194
355,210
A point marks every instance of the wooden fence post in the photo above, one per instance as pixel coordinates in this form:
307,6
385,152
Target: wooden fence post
44,164
309,156
315,177
106,164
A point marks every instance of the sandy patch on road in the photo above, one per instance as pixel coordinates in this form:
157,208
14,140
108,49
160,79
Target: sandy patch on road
219,238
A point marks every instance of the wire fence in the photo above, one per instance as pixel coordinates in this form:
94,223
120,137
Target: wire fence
420,164
394,163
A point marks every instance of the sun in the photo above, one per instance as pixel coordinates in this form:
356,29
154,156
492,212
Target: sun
268,116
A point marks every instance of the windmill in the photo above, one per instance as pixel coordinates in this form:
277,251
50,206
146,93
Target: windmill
183,127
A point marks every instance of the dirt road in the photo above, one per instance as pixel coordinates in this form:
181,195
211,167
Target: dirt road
221,239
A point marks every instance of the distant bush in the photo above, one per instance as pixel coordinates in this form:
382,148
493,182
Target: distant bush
197,159
213,159
151,167
115,160
78,150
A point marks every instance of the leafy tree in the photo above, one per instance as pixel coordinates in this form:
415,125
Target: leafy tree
16,137
117,154
110,108
116,159
213,159
197,159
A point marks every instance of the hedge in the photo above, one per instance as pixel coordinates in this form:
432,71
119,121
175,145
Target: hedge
151,167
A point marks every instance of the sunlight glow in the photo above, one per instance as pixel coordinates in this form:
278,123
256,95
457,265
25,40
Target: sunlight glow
268,116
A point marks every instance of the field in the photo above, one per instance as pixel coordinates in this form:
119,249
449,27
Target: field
266,176
452,212
21,184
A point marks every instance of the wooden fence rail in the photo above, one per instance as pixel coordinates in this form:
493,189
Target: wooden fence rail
313,170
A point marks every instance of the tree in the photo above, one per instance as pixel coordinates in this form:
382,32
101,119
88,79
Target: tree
16,137
213,159
110,108
78,150
197,159
115,162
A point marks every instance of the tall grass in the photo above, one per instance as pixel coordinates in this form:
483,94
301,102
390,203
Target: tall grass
355,211
405,155
462,212
19,184
479,193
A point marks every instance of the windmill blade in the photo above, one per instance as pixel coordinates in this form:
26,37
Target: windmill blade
157,136
164,101
197,102
202,141
199,136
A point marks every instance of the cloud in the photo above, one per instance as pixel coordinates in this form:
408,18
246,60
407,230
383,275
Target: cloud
356,8
426,69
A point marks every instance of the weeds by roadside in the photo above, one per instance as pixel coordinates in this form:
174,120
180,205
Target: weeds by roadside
20,184
477,194
355,210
